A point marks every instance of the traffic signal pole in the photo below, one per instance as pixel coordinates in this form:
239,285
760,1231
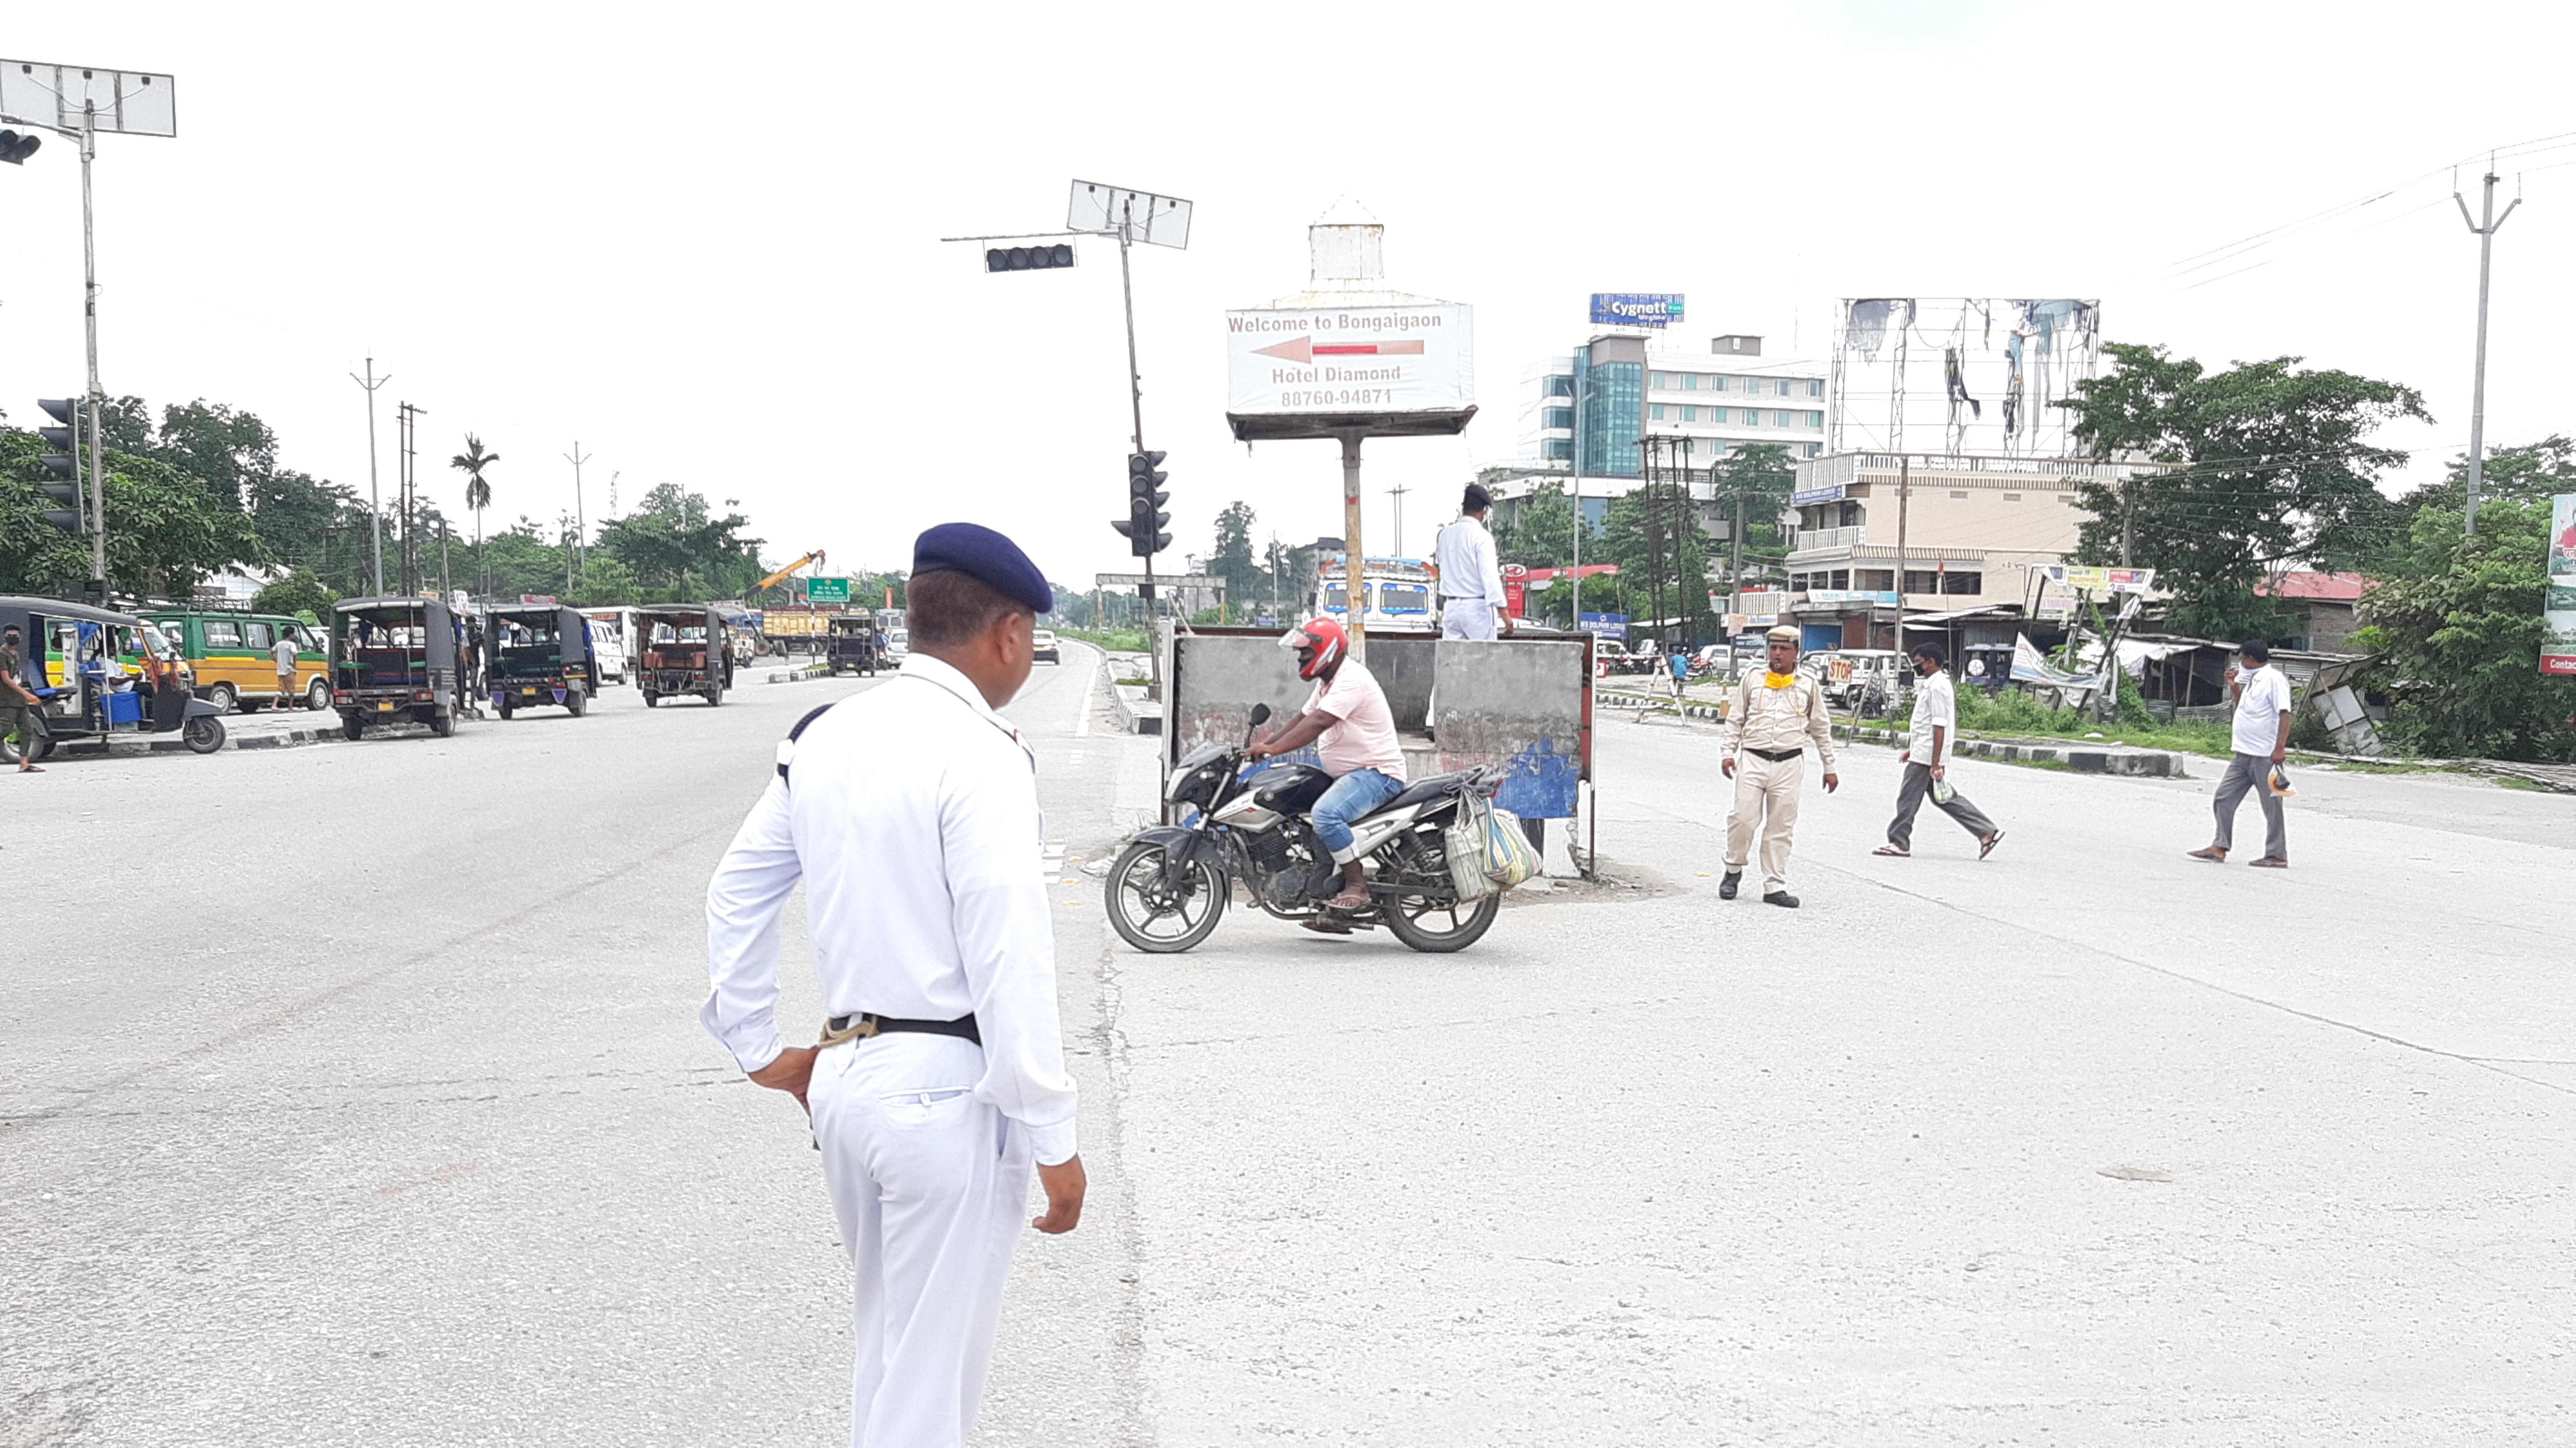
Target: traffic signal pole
1136,402
89,308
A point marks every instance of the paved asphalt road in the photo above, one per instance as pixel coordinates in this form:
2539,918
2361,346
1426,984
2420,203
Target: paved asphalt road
353,1094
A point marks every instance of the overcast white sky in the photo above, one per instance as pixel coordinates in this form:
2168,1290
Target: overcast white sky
703,241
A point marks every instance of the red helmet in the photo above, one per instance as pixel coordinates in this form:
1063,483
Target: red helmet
1322,635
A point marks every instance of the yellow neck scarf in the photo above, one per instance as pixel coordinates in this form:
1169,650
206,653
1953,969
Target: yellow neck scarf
1771,680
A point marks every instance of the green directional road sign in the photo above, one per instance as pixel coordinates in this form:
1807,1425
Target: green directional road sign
827,590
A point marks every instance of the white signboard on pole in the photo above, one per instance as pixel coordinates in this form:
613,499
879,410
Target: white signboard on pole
1418,358
131,102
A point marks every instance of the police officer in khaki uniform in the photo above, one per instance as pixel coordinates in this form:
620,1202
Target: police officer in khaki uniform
1773,719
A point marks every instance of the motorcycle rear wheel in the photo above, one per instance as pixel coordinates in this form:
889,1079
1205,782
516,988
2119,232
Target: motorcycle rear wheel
1156,918
1432,926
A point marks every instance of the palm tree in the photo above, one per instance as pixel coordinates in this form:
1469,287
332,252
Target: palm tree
478,492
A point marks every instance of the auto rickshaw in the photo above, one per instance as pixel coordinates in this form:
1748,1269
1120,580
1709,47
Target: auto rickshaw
537,654
394,661
99,674
853,645
684,653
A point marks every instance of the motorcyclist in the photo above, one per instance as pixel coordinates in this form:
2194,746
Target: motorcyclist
1348,718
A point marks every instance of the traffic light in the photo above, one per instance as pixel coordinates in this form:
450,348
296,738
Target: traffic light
1143,525
17,146
62,464
1028,258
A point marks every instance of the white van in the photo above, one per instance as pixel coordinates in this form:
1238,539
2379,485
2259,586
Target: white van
612,641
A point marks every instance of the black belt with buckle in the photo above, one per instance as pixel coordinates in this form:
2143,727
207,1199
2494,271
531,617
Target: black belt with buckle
1776,755
864,1025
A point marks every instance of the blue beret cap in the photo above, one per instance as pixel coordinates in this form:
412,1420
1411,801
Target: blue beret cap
987,557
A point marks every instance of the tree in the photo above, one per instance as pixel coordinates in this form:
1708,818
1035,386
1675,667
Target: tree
478,489
1538,530
679,548
1245,582
166,531
2272,473
297,593
2460,621
2533,470
1752,485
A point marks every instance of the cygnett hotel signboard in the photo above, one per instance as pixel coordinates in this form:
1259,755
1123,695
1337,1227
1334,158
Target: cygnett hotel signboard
1636,309
1351,360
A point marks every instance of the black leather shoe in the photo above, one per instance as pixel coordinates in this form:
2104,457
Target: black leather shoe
1781,898
1726,888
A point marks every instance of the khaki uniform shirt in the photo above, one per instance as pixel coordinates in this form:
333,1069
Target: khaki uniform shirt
1780,719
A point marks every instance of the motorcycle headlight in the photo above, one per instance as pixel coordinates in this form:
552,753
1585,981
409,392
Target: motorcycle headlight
1197,786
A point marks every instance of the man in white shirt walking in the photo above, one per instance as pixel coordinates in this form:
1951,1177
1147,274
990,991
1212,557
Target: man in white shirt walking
2258,744
1927,761
910,815
1472,601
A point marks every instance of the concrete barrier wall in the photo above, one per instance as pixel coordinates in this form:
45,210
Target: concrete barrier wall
1525,703
1522,702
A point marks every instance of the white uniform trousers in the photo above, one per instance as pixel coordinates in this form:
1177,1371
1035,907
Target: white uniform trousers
1467,618
930,1186
1766,797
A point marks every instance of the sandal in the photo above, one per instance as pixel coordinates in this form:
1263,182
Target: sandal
1348,900
1893,852
2213,855
1987,845
2271,862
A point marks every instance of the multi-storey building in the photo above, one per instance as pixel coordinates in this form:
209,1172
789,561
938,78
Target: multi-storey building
1623,389
1972,532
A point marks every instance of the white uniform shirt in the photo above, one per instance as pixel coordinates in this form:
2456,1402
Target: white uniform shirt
1468,569
2263,697
911,815
1936,701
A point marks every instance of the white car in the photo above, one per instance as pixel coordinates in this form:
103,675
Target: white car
1043,646
896,647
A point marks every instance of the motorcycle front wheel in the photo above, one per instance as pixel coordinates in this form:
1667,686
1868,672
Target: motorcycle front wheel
1161,917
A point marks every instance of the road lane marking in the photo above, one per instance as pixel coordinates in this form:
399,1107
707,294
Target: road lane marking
1090,682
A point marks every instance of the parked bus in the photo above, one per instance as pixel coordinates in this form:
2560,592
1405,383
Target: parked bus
1398,593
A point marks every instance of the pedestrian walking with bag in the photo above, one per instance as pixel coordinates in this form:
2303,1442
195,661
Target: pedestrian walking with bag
1927,761
2258,744
1772,720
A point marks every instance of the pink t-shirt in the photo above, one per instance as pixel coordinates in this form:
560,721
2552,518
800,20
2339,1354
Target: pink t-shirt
1362,735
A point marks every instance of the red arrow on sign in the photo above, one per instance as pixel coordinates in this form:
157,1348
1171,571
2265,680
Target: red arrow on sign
1304,349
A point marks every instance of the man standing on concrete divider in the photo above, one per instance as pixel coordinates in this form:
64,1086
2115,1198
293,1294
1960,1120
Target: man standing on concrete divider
910,815
1771,721
1927,762
1472,601
2261,740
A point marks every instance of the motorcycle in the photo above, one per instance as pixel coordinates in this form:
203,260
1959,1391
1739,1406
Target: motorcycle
1170,886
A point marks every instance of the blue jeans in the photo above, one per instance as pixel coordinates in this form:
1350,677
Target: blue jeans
1352,795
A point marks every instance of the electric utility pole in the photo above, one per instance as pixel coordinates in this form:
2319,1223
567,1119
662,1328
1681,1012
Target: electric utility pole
2484,230
375,506
580,521
1397,493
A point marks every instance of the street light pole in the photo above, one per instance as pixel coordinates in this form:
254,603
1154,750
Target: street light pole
375,505
2478,397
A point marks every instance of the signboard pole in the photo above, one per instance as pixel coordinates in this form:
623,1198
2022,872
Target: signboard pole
1354,589
1904,496
89,309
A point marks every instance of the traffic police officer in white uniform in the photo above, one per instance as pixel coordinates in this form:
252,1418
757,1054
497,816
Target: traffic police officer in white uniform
910,815
1471,581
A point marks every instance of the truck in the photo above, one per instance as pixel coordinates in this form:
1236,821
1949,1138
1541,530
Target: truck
796,630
